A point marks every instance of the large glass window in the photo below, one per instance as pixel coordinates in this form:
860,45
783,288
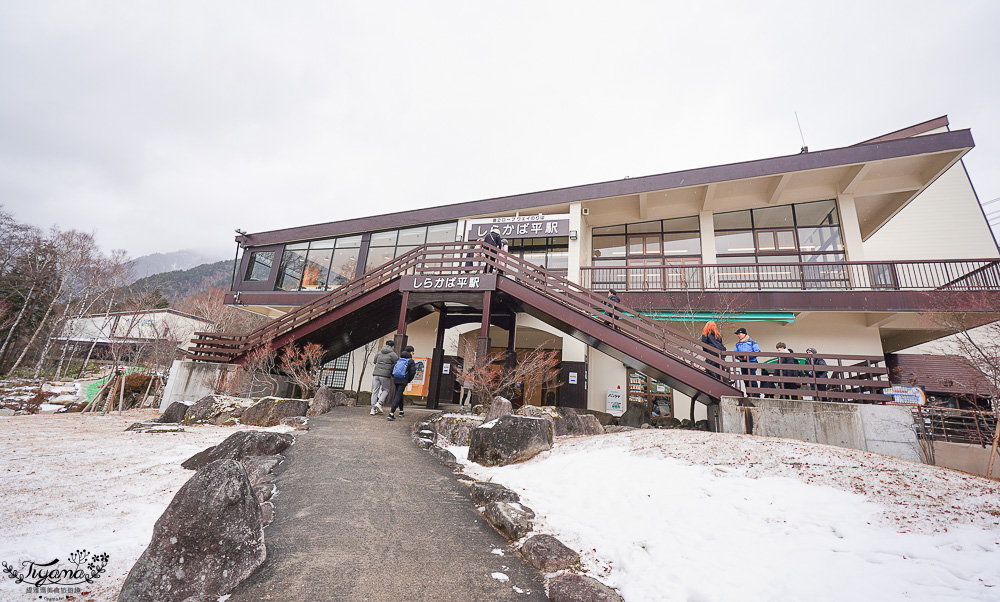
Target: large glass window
653,252
259,266
551,253
385,246
318,265
791,234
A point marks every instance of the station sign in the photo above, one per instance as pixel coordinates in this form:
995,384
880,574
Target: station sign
520,226
906,395
448,283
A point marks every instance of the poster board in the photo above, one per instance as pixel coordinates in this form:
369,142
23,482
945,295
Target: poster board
615,401
421,381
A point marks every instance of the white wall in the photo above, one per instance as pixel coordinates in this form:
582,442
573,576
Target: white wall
604,372
944,222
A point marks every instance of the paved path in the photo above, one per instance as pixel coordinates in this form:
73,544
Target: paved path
364,514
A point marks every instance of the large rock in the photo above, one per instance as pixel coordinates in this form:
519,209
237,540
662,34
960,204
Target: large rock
603,417
509,439
240,445
209,538
174,412
615,428
216,409
258,467
510,518
456,428
499,407
322,402
299,423
580,588
636,415
565,421
548,554
446,457
155,427
270,410
483,493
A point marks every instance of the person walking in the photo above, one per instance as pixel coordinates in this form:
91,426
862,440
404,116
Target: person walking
402,374
746,344
611,302
710,337
812,372
466,394
384,360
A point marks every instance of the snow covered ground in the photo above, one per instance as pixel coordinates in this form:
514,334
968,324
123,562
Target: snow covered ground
73,482
680,515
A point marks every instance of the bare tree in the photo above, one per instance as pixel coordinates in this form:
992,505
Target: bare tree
210,304
366,353
489,378
302,365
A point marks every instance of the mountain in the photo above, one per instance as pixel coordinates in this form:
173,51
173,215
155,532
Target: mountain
158,263
178,284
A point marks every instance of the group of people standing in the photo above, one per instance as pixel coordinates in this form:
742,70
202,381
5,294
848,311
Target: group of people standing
711,339
400,368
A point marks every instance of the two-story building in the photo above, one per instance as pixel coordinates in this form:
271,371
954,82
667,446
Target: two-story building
854,250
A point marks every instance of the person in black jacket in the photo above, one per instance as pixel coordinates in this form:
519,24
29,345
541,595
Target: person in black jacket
492,239
788,359
401,382
710,338
812,372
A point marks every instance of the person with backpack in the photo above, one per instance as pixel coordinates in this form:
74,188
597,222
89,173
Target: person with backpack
402,374
747,344
384,361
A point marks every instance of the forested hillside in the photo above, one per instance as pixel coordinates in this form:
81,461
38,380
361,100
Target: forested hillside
179,284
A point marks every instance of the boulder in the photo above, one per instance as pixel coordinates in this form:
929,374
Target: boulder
240,445
667,422
423,443
589,425
479,409
263,492
498,408
174,412
210,538
258,467
155,427
270,410
446,457
636,415
216,409
456,428
267,513
570,587
509,439
299,423
548,554
603,417
322,402
614,428
483,493
510,518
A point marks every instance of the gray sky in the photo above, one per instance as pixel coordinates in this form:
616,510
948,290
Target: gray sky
162,126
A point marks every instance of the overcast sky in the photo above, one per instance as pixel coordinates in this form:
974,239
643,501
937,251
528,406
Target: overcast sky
162,126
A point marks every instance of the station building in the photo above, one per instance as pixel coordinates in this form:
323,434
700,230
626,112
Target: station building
855,250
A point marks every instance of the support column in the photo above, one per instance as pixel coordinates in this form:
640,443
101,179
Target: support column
400,340
850,227
437,361
483,344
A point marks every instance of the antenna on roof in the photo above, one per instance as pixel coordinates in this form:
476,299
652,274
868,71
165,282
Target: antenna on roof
804,149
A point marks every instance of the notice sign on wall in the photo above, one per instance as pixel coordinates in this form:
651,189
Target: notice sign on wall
906,395
521,226
572,378
420,382
614,402
445,368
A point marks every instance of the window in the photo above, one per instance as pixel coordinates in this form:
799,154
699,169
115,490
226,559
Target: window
790,234
385,246
653,249
334,373
319,265
551,252
259,266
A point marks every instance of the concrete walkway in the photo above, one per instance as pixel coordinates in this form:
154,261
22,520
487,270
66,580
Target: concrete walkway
365,514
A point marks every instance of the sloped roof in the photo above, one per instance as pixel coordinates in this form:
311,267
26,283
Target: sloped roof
938,374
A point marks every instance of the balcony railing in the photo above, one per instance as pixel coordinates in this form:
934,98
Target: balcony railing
945,275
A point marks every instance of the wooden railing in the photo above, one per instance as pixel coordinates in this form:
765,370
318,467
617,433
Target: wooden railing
849,377
947,275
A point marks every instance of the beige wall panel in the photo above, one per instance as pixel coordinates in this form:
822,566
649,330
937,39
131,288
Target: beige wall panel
943,222
828,332
603,372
